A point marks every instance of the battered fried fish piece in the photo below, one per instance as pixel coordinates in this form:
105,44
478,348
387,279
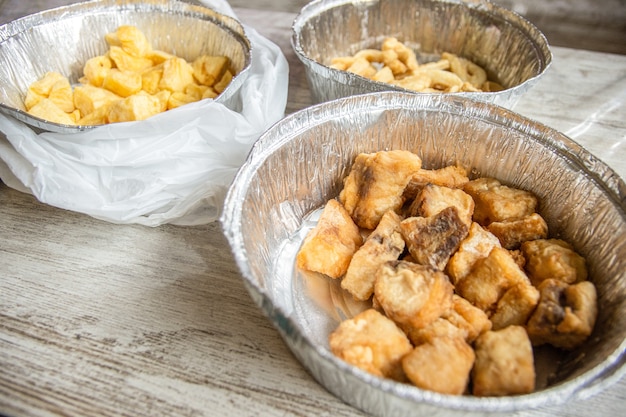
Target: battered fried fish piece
373,343
330,245
453,176
478,244
490,278
411,294
504,363
434,198
376,184
495,202
515,306
432,240
553,259
441,365
565,315
384,244
512,233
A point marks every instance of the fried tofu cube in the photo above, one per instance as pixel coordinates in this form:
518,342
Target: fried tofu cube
376,183
411,294
132,108
373,343
96,69
122,83
565,315
46,109
434,198
384,244
88,98
442,365
221,85
512,233
504,363
209,69
553,259
471,320
490,278
452,176
432,240
150,80
330,245
62,95
126,62
384,75
477,244
515,306
177,74
495,202
441,327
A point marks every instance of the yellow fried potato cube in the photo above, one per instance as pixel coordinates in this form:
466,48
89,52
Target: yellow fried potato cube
46,109
96,117
150,80
164,97
62,95
133,41
88,98
126,62
32,98
122,83
178,99
362,67
135,107
45,83
96,69
208,69
196,90
221,85
209,93
177,74
158,57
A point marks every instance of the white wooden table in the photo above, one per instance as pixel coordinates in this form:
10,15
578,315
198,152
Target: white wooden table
99,319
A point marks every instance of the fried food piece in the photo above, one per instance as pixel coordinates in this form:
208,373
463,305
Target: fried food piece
122,83
565,315
88,98
209,69
96,69
411,294
512,233
329,246
127,62
495,202
177,74
490,278
515,306
477,244
46,109
134,107
375,185
553,259
372,342
130,39
452,176
441,365
384,244
434,198
42,88
504,363
432,240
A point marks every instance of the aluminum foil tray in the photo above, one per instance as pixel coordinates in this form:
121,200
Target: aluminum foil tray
63,39
299,164
511,49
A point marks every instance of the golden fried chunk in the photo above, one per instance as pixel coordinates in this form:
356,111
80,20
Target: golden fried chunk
130,39
384,244
452,176
496,202
135,107
209,69
432,240
478,244
122,83
565,315
434,198
88,98
515,306
329,246
504,363
372,342
490,278
441,327
46,109
512,233
555,259
441,365
375,185
96,69
177,74
412,294
126,62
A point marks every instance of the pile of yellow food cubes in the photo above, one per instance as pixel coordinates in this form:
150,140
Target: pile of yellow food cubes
132,81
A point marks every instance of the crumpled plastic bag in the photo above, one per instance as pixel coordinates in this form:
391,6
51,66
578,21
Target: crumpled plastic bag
176,169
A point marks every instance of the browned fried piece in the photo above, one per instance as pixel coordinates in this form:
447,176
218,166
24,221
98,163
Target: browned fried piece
384,244
453,176
329,246
495,202
519,258
434,198
441,365
565,315
490,278
512,233
432,240
373,343
504,363
515,306
411,294
376,183
553,259
476,245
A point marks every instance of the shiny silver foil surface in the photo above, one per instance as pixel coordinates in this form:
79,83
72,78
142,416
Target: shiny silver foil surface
300,163
511,49
63,39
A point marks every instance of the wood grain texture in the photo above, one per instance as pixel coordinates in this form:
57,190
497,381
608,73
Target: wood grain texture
99,319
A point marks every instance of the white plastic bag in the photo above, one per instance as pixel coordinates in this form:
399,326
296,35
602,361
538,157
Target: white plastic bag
176,169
